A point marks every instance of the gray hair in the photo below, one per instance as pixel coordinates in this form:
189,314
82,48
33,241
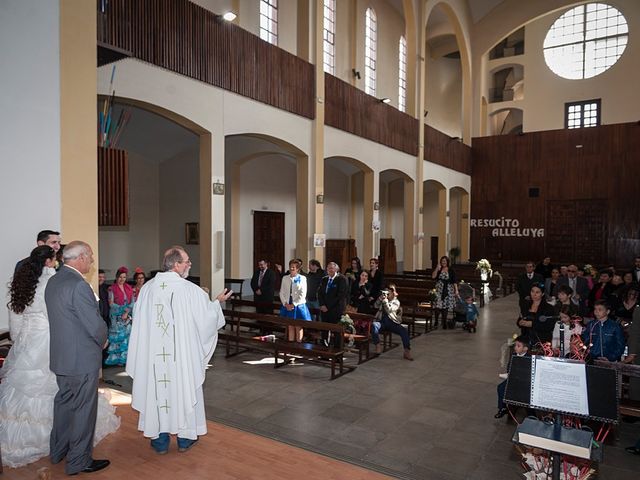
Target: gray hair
172,256
74,249
334,264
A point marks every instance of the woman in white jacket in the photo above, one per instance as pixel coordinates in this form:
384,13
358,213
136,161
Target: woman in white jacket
293,295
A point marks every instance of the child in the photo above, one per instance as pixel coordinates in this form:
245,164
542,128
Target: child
471,315
520,349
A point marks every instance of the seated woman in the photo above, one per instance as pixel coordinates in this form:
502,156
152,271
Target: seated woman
139,278
389,317
551,283
293,295
361,294
120,307
572,325
627,302
536,317
353,272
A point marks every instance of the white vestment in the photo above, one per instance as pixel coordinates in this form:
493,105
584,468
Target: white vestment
174,333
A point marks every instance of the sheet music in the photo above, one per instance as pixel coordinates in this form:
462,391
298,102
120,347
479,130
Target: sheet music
559,385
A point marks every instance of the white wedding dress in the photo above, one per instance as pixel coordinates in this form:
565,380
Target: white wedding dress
28,388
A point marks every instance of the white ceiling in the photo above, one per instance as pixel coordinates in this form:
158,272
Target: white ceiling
480,8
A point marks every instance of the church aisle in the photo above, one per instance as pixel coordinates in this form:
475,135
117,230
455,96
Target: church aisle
224,453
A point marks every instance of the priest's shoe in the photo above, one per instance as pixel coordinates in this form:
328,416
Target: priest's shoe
185,444
94,466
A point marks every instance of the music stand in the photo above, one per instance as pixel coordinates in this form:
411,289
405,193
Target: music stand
601,405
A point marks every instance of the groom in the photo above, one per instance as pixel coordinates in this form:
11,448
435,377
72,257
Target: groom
78,335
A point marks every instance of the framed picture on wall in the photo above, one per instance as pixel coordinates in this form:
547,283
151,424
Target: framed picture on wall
192,233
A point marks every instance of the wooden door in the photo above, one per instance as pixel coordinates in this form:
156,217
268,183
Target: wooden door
434,252
341,251
268,238
388,262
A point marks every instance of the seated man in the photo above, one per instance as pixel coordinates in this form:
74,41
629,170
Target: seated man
520,349
389,317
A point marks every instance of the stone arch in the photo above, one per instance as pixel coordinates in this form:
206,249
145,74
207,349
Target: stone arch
274,165
434,216
459,210
397,214
206,240
465,60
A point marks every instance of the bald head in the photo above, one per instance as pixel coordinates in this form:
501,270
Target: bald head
79,255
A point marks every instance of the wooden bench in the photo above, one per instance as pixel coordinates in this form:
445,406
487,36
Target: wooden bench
627,406
239,340
362,323
235,281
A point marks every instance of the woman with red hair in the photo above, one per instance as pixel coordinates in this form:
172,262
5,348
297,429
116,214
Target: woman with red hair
120,307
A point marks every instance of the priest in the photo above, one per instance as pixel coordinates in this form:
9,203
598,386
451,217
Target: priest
174,333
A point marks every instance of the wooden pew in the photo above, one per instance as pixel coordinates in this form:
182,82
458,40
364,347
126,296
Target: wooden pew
235,281
362,322
239,340
627,406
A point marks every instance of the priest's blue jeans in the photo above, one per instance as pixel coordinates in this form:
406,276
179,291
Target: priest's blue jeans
387,324
161,444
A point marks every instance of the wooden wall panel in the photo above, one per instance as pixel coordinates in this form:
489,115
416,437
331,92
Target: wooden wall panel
443,150
113,187
185,38
352,110
587,180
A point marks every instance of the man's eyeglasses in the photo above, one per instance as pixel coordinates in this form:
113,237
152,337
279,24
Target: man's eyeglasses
185,261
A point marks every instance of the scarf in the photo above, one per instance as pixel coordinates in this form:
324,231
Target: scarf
119,297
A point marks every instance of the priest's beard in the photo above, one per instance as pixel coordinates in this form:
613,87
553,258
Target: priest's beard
185,274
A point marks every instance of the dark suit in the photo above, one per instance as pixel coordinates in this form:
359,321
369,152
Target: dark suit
267,290
77,335
334,297
524,284
103,293
581,288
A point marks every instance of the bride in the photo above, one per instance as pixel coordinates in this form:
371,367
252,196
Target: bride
28,386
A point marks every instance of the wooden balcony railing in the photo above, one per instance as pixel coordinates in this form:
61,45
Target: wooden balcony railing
187,39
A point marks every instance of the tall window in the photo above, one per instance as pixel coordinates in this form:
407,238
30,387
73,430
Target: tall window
582,114
586,41
269,21
370,50
329,39
402,74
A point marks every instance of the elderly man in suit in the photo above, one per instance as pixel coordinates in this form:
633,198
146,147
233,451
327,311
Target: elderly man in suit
578,284
333,294
78,334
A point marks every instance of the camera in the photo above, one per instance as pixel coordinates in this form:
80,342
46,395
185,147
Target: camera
384,293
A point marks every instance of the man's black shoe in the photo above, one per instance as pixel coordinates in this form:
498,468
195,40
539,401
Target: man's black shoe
94,466
501,413
634,450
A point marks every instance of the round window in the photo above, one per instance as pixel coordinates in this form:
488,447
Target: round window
586,41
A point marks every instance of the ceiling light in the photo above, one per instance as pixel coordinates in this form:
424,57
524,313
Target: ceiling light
229,16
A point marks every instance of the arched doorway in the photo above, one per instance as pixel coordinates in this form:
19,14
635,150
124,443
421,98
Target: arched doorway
434,222
396,194
266,205
166,162
459,222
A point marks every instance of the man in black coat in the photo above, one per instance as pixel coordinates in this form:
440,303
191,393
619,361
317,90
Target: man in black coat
333,295
526,280
103,294
578,284
263,284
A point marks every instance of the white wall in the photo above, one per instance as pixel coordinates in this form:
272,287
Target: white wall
444,95
545,93
29,129
337,196
430,224
180,203
266,183
395,218
137,244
